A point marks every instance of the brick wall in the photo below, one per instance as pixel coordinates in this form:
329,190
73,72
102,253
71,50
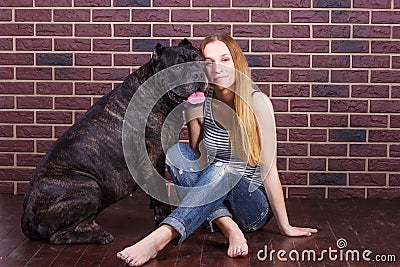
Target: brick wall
331,68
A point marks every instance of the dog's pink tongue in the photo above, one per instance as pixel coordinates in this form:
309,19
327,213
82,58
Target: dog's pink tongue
196,98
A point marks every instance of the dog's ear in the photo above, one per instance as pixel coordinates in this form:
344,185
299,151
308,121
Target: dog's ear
185,42
157,51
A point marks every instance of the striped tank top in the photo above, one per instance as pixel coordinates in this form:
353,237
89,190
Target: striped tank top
216,143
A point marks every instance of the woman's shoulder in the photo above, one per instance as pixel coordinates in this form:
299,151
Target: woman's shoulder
261,101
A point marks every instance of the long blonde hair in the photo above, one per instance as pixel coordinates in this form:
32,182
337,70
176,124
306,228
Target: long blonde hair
245,137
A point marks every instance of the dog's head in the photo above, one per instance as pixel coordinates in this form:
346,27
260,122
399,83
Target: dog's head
187,81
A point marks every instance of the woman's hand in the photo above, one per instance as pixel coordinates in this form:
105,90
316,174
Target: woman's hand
298,231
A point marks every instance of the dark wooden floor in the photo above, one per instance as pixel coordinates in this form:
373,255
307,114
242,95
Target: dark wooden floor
364,224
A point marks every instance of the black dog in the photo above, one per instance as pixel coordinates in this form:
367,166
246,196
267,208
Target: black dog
85,170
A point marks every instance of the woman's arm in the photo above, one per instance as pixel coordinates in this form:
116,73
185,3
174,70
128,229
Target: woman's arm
194,122
263,110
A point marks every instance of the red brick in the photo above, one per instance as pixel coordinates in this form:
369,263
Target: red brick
307,193
292,149
290,31
396,32
6,188
151,15
280,105
16,59
330,90
34,131
270,16
368,121
351,17
281,163
34,102
78,115
330,61
111,45
309,76
53,3
270,75
349,106
92,3
310,16
281,134
6,102
6,73
253,30
172,3
34,15
373,4
341,193
53,117
311,135
34,44
28,159
186,15
72,44
6,130
371,61
258,60
171,30
229,15
314,164
59,130
331,31
94,30
383,193
395,62
210,3
350,46
396,3
16,174
92,88
310,46
13,3
349,76
328,120
328,150
290,90
132,3
6,159
72,15
386,17
130,59
293,178
347,135
72,103
270,46
384,136
32,73
370,91
16,146
394,180
129,30
346,164
54,59
42,146
394,151
306,105
383,165
111,15
5,15
291,3
73,74
6,44
92,59
291,120
20,29
291,61
394,121
54,29
395,92
385,47
54,88
332,3
368,150
371,31
385,76
110,74
16,88
324,178
250,3
386,106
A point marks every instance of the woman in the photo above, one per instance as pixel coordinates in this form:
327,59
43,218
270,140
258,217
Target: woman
239,188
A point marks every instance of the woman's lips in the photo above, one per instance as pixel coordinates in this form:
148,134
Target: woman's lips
219,78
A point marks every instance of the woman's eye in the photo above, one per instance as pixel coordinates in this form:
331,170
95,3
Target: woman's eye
209,62
226,59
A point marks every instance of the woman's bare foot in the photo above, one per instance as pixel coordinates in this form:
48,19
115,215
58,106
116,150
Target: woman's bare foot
147,248
237,241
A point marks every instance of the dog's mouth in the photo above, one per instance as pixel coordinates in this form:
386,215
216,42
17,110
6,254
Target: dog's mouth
195,98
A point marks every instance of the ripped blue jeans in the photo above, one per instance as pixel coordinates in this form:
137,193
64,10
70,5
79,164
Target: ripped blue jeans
214,192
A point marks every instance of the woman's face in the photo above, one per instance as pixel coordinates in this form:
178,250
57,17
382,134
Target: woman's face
219,64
